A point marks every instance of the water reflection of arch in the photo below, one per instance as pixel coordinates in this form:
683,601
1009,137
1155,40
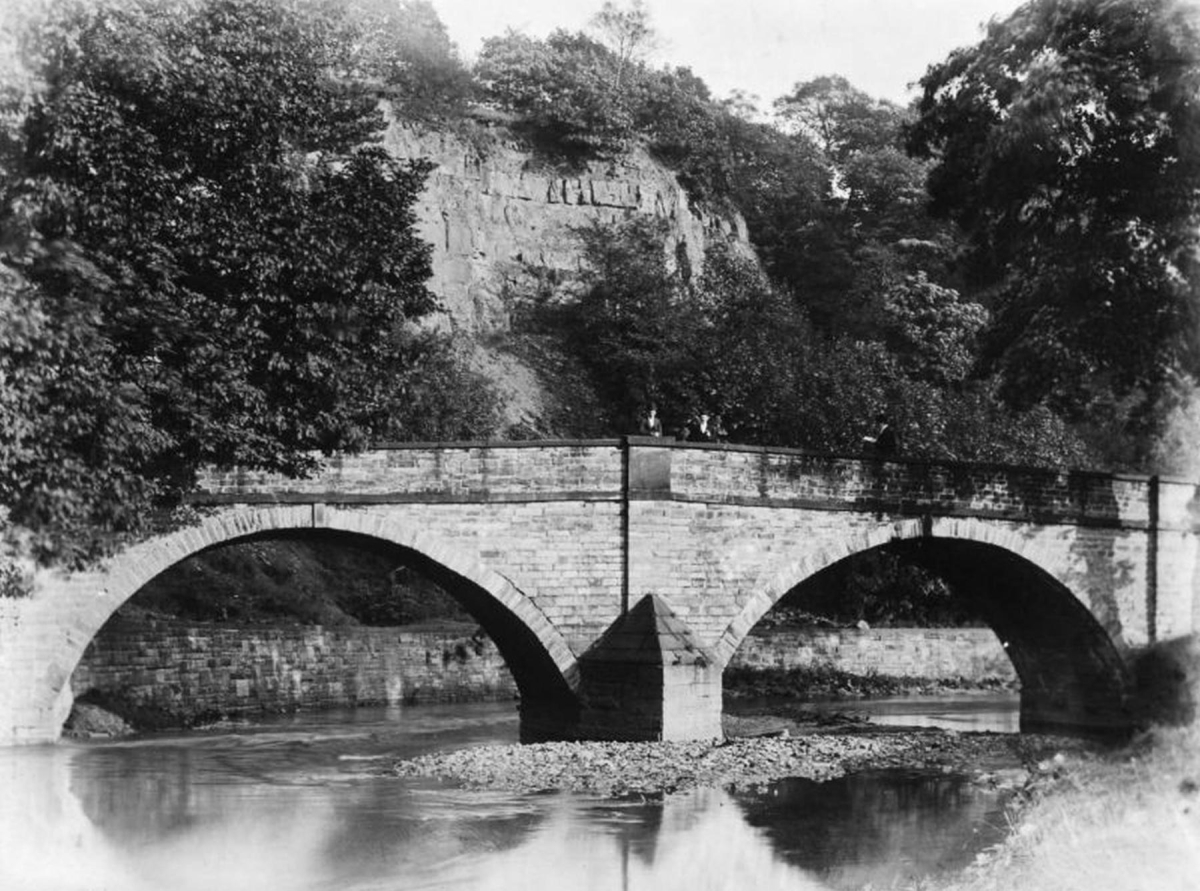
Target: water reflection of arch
1069,665
539,658
876,829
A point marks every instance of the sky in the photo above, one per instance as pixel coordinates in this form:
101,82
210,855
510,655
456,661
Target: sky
763,46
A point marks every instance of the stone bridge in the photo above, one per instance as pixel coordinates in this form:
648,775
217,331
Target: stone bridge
618,577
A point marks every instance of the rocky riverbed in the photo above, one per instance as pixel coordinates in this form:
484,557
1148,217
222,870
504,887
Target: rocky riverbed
619,769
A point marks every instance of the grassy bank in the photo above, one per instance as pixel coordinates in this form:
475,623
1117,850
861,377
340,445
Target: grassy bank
1123,821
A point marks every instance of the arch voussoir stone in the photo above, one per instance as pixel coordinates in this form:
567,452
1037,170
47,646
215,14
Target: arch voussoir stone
1014,538
778,581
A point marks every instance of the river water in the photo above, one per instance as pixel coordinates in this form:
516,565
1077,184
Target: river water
295,803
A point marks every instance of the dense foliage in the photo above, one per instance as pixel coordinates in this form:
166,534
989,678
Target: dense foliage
564,87
404,47
1054,282
205,260
833,205
205,257
726,341
1066,146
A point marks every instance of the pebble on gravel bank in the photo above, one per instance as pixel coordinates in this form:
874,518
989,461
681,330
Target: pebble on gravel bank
617,769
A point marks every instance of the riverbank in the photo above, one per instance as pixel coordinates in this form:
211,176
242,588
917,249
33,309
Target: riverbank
1114,821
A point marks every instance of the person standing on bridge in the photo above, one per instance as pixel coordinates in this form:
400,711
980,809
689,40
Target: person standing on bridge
702,431
650,424
883,443
719,433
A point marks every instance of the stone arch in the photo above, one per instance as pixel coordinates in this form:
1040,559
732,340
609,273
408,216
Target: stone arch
539,657
782,579
1071,671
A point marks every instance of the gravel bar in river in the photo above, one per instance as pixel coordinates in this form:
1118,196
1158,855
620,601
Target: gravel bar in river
615,769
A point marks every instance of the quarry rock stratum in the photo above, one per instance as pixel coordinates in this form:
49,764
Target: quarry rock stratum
499,217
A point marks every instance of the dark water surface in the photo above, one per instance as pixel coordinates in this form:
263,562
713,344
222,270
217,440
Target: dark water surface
292,804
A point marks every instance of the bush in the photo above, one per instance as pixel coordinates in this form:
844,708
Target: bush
439,397
566,88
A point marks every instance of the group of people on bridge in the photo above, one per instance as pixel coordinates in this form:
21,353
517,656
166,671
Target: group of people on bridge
704,427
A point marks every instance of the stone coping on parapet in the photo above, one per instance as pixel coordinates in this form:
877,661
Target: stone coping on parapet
653,469
668,443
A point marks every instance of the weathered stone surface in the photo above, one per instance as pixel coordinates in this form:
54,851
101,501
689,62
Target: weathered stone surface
648,677
649,634
969,654
176,673
494,214
547,544
503,222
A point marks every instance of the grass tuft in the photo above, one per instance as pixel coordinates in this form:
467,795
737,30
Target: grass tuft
1125,821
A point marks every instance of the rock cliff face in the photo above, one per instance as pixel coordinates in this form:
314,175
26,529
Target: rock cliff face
497,216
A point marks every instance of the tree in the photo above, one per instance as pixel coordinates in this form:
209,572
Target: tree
206,261
687,131
1065,147
631,324
720,340
931,330
405,45
438,396
565,87
868,228
627,32
840,117
779,183
746,346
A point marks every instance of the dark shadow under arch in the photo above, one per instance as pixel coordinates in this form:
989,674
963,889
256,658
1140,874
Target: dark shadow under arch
1072,675
547,701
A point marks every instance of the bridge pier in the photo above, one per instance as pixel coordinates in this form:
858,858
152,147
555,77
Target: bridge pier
647,678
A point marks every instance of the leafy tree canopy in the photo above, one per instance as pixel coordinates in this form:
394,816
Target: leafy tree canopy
1066,145
863,228
205,260
729,342
565,87
580,94
626,32
841,118
931,330
405,45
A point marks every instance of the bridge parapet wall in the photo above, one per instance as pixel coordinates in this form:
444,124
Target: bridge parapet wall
719,474
591,470
781,478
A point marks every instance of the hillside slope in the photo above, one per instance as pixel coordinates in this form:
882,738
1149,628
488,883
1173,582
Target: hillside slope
502,221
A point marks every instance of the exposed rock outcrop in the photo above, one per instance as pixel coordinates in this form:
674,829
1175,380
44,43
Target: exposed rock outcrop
497,215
